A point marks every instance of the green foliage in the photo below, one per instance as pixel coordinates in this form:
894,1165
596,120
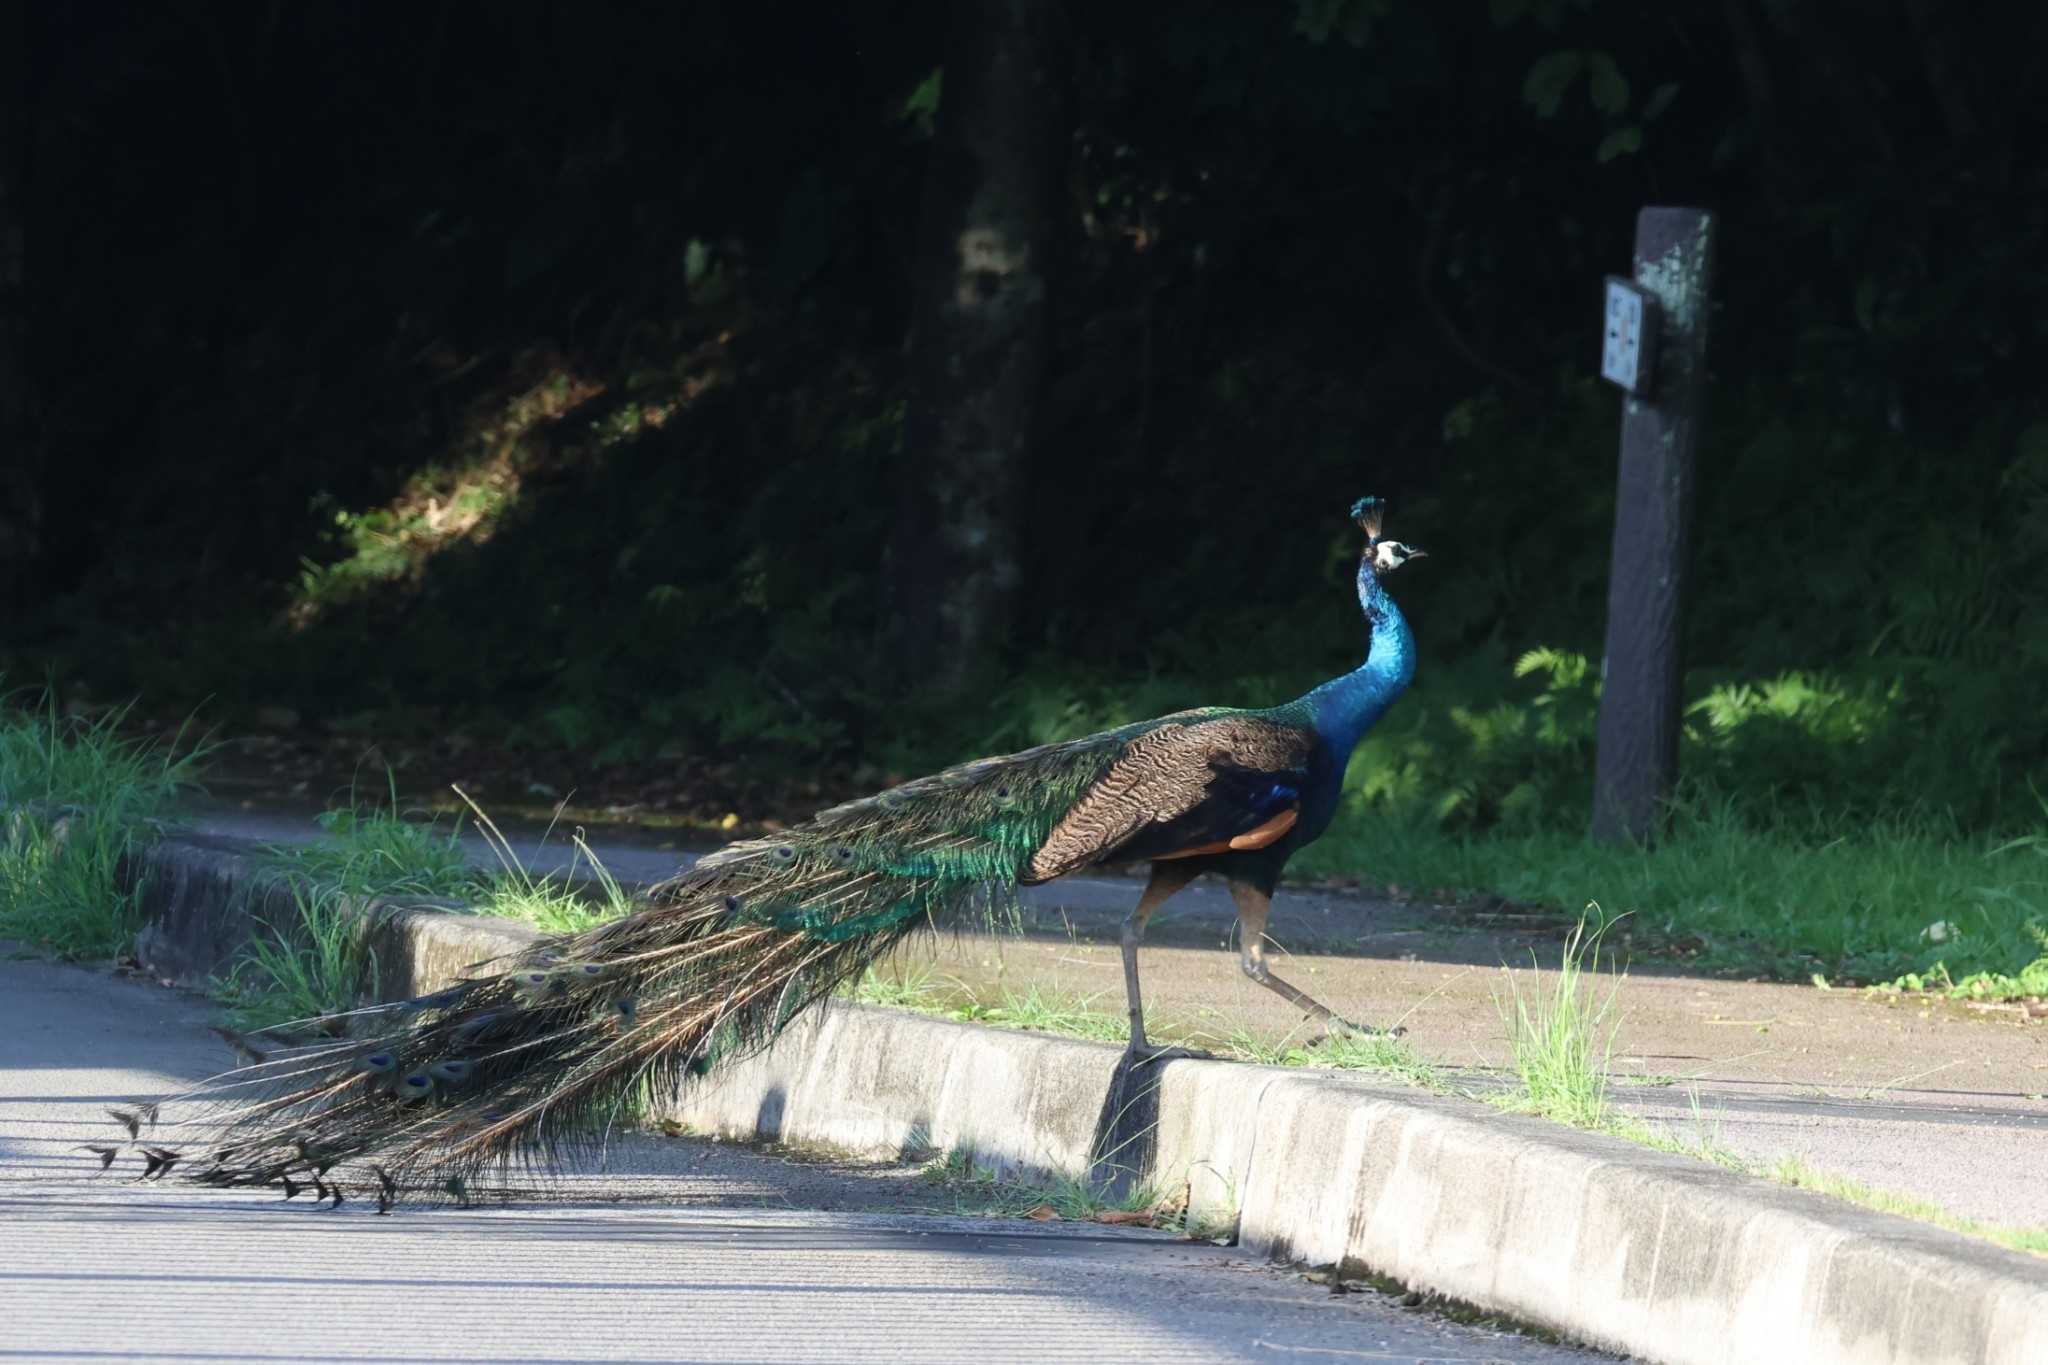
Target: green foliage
74,798
1351,20
921,105
576,898
371,851
1784,891
1549,79
582,895
313,968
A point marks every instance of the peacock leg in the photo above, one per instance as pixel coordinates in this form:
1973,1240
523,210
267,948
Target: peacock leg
1167,878
1253,908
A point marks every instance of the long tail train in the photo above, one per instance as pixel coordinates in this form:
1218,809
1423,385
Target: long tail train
509,1068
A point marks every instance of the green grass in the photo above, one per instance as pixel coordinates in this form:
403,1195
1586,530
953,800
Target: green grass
75,796
1040,1009
1560,1047
557,903
1702,1141
1791,898
1035,1010
1794,1171
978,1189
316,968
376,851
897,987
1377,1054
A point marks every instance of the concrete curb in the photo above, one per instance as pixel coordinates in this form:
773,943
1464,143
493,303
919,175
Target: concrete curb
205,898
1603,1241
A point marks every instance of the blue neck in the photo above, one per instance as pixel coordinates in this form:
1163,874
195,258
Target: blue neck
1346,707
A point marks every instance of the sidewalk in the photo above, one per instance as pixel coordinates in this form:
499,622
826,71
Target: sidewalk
1920,1098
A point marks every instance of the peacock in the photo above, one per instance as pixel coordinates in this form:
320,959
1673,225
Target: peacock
509,1065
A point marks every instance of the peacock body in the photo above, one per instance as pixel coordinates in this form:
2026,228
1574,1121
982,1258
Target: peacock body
510,1064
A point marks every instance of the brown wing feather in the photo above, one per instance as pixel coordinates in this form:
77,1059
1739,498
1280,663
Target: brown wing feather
1160,776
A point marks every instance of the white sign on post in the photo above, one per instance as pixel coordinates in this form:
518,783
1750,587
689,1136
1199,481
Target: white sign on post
1628,357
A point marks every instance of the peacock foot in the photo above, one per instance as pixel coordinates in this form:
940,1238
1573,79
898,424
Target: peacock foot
1340,1027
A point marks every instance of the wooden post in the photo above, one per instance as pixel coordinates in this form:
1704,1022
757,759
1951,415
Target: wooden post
1637,763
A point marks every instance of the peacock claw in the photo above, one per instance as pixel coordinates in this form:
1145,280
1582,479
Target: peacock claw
1340,1027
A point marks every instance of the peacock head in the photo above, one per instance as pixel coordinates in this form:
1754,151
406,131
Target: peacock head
1383,554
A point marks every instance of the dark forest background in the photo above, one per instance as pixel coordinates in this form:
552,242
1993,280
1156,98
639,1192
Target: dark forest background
536,374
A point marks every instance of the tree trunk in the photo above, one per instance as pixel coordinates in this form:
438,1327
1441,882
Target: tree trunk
20,502
977,333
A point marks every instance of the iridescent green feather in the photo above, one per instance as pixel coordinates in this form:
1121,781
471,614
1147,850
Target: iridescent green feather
583,1029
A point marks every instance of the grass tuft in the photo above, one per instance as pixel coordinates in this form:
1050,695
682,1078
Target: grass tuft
293,976
1039,1010
1560,1047
555,903
979,1189
910,989
75,796
374,851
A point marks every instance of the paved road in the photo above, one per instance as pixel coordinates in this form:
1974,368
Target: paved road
691,1251
1929,1100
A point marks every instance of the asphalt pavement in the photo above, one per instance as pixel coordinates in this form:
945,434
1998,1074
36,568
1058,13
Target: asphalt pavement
678,1250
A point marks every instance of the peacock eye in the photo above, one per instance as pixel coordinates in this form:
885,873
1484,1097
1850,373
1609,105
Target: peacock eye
732,905
842,855
784,853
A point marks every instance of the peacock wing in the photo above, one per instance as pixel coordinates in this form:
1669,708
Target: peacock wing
1181,787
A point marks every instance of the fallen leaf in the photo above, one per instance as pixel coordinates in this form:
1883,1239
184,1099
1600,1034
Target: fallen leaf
1044,1213
1121,1217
